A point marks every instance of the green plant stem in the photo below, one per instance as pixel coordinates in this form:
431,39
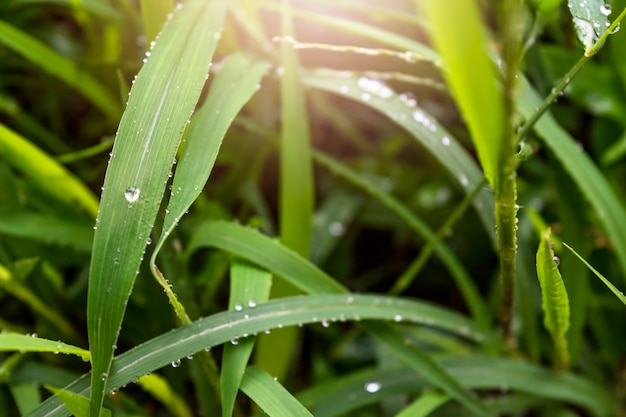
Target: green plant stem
105,145
562,85
505,187
407,278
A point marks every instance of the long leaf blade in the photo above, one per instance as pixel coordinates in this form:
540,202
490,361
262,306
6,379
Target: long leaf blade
162,99
458,35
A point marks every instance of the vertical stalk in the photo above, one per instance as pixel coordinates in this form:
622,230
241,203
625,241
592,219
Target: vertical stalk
511,24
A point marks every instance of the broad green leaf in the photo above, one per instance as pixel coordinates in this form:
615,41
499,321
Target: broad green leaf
13,342
579,166
619,294
46,173
590,19
458,35
249,286
57,65
77,404
222,327
553,299
162,99
272,397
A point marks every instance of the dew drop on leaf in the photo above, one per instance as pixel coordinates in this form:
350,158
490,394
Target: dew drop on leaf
132,194
176,363
372,387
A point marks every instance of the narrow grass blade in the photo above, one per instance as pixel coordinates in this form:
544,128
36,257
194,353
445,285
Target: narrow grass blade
15,287
25,395
57,65
95,7
554,300
578,165
293,268
160,389
462,278
475,372
457,32
13,342
46,173
250,285
162,99
422,127
619,294
76,404
220,328
234,85
272,397
590,19
424,405
296,194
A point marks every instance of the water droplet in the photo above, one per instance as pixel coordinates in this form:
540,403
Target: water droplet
234,341
251,303
280,71
445,141
397,318
207,349
344,89
375,87
372,387
190,356
148,241
615,29
606,9
238,307
103,376
366,97
350,299
325,323
336,229
408,99
176,363
132,194
464,181
556,260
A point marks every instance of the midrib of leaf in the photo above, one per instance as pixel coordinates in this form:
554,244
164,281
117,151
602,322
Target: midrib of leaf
161,101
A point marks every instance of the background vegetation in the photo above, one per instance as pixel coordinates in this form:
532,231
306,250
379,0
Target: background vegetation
383,172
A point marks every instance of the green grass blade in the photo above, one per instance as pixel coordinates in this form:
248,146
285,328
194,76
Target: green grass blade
280,260
222,327
46,173
48,229
462,278
162,99
250,285
475,372
57,65
26,396
579,166
13,342
457,32
619,294
232,88
234,85
265,252
272,397
77,404
424,405
422,127
296,194
160,389
554,300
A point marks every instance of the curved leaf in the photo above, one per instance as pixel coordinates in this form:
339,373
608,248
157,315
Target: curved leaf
161,101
